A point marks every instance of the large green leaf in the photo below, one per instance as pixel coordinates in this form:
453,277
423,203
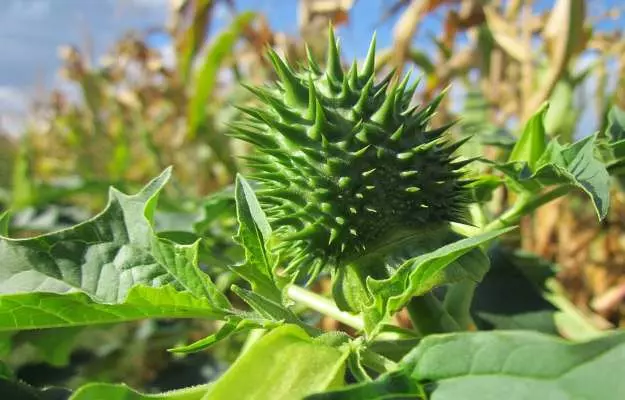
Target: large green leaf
103,257
284,364
458,261
518,366
254,232
510,365
52,310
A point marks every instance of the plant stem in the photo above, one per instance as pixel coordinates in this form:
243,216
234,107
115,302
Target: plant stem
428,315
324,306
524,205
377,362
458,302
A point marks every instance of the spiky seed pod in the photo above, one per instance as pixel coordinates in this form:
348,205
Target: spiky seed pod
346,164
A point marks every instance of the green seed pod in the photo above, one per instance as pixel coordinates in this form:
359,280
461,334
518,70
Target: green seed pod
346,165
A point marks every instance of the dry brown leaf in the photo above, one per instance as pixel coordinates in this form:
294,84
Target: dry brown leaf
503,32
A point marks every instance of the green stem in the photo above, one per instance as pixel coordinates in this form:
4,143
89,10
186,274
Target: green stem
524,205
458,302
324,306
377,362
428,315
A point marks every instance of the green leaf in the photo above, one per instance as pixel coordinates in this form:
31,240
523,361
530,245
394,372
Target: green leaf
508,365
205,79
518,366
234,324
574,164
421,274
266,307
181,261
254,232
284,364
103,257
394,385
110,391
511,293
532,142
540,321
52,310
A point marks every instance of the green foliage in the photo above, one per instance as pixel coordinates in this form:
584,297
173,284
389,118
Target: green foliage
350,179
534,165
38,310
254,232
285,364
532,142
512,365
455,262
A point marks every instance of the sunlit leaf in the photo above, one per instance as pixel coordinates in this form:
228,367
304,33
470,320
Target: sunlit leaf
254,231
532,142
284,364
420,275
54,310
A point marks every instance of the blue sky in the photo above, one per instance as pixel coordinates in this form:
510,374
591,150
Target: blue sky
32,30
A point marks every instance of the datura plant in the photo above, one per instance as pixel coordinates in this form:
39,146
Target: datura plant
349,179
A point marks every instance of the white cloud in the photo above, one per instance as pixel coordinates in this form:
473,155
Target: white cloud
14,104
32,30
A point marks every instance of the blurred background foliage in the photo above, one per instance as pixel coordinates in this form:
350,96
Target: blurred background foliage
139,110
